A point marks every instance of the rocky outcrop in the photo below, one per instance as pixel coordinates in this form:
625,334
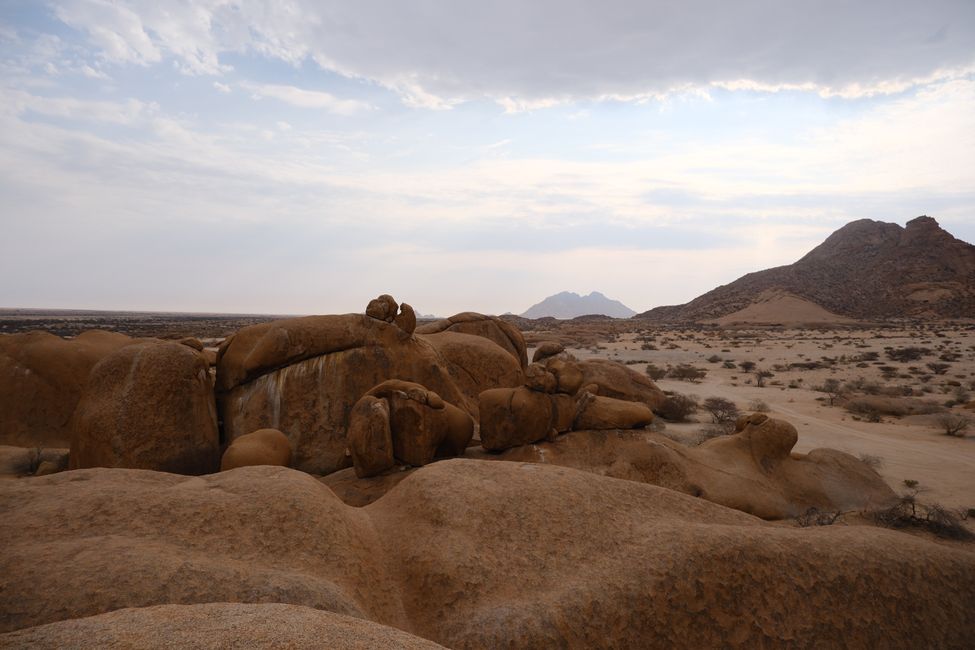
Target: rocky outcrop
560,394
42,377
261,447
490,327
216,626
461,552
147,405
303,376
403,422
753,470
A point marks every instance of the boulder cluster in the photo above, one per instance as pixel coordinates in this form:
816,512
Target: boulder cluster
556,398
374,392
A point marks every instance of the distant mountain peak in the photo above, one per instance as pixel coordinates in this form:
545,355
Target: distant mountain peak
867,270
568,304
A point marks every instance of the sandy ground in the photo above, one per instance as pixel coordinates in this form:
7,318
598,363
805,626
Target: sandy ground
908,448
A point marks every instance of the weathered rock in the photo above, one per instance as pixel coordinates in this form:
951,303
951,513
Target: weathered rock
564,411
568,375
540,379
547,349
475,363
406,319
149,406
261,447
383,308
400,421
491,327
192,342
304,375
608,413
460,552
42,377
216,626
460,431
620,382
418,429
514,416
370,438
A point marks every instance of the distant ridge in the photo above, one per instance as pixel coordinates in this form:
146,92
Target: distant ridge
865,270
571,305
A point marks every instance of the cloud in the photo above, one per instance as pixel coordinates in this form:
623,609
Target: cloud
222,87
307,98
532,54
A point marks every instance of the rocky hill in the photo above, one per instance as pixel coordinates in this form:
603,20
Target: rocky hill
867,270
570,305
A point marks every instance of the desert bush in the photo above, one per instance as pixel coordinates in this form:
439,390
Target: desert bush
648,346
713,359
816,517
871,461
731,365
954,424
893,406
747,366
906,354
761,376
759,406
714,430
686,372
721,410
934,518
832,388
678,407
938,368
653,372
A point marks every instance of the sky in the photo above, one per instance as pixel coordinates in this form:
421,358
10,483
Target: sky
298,156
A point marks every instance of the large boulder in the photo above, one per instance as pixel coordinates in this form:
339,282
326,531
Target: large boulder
461,552
399,421
261,447
216,626
304,375
515,416
490,327
595,412
753,470
475,362
620,382
148,405
42,377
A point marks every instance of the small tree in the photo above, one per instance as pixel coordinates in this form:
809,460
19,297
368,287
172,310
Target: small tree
677,407
721,409
655,373
954,424
747,366
938,368
761,376
832,388
687,372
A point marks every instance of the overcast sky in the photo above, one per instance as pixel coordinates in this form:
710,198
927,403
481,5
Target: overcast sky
304,156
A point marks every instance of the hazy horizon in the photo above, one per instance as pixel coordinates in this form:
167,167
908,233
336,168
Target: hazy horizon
254,157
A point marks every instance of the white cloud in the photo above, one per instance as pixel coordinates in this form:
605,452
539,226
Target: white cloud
307,98
525,55
222,87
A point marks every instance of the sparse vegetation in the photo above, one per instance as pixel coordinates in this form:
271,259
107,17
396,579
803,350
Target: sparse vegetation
954,424
686,372
678,407
722,410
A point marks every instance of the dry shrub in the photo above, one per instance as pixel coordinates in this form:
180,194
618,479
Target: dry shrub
678,407
815,517
934,518
893,406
